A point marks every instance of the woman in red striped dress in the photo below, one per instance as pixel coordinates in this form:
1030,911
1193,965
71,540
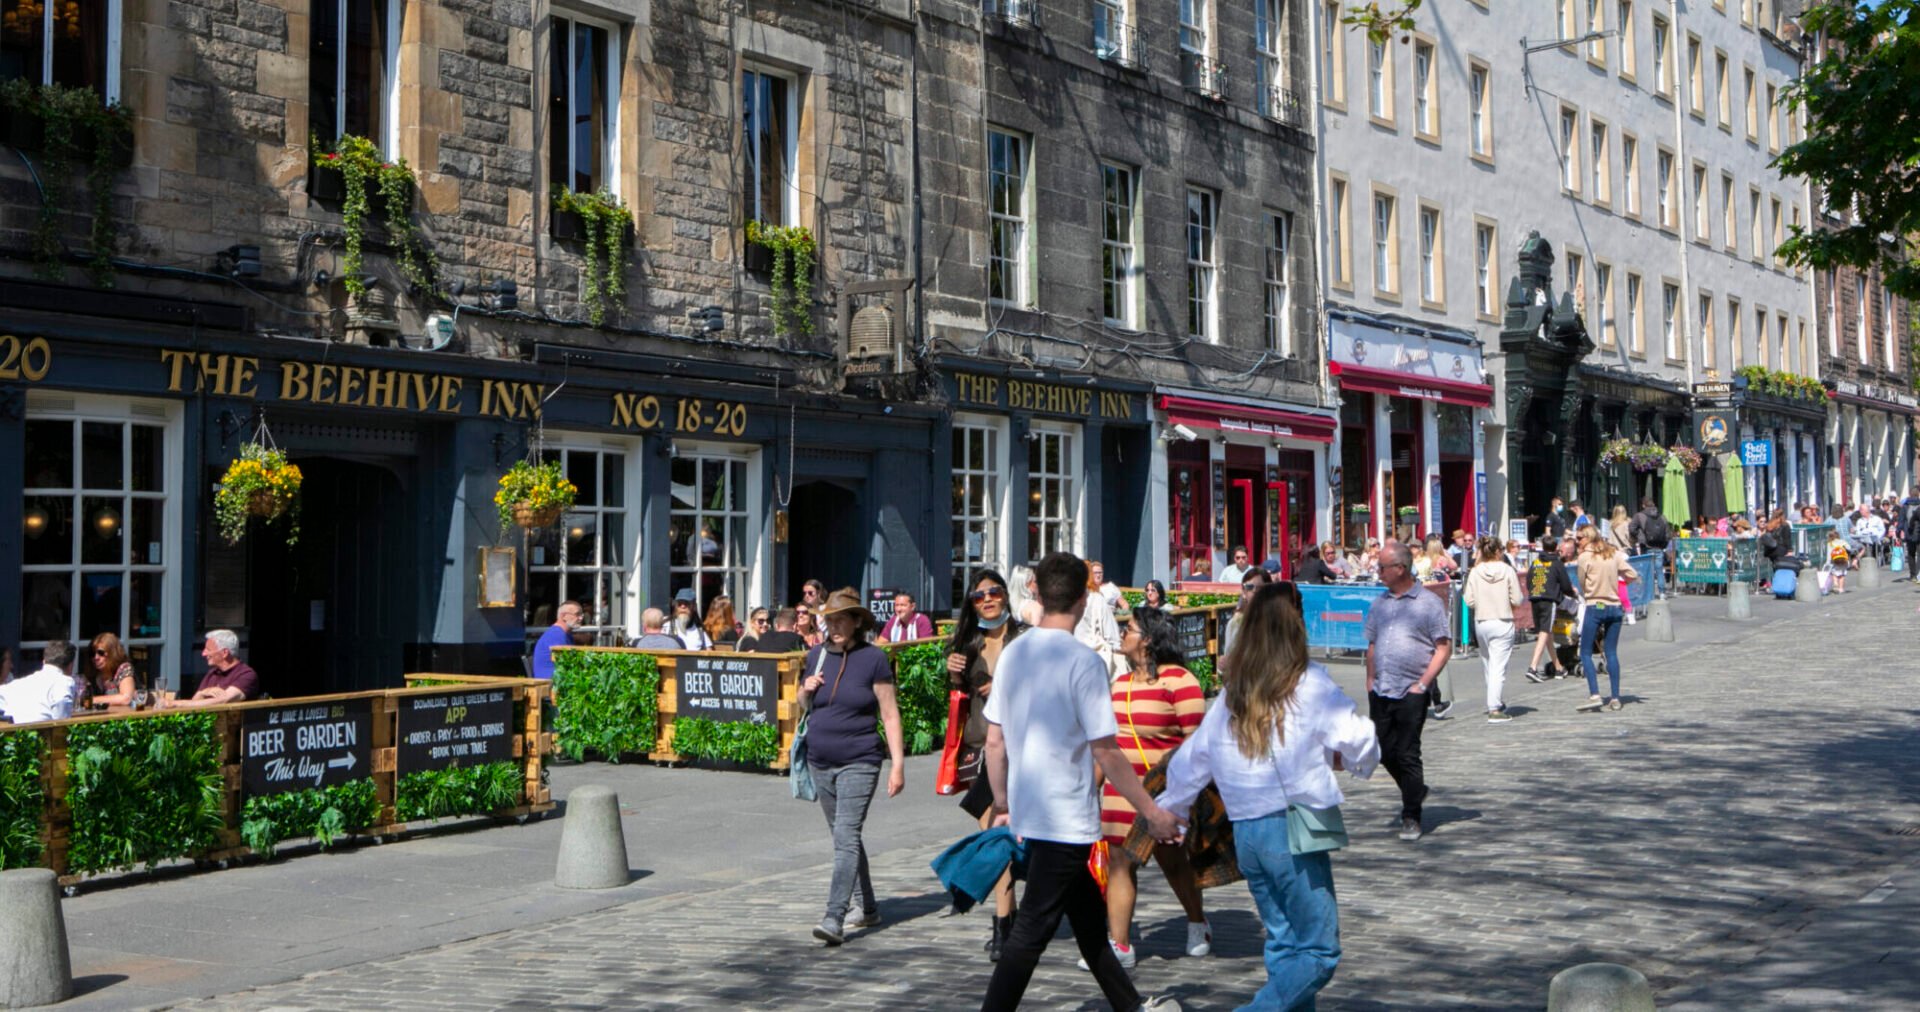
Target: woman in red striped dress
1157,704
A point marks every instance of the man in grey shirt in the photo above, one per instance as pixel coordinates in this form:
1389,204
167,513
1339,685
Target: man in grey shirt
1407,644
653,636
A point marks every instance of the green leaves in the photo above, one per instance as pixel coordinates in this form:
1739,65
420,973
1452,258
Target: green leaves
742,742
471,790
603,276
920,682
1203,672
793,251
143,791
364,170
324,813
605,703
77,124
22,798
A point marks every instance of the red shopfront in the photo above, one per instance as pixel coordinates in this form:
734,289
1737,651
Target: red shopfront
1409,452
1247,479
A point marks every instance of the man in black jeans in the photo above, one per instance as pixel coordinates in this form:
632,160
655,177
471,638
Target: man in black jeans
1051,708
1907,521
1408,642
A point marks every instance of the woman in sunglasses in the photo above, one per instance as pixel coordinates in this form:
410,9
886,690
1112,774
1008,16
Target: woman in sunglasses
759,622
110,679
986,626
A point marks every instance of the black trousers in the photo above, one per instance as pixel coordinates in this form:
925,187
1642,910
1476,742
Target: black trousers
1058,884
1398,723
1913,560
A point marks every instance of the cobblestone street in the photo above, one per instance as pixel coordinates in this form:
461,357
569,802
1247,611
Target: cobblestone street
1747,791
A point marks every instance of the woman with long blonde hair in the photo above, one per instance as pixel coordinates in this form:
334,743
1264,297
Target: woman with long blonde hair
1603,571
1268,748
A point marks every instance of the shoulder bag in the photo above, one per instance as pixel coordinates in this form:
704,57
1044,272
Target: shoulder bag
1311,830
799,774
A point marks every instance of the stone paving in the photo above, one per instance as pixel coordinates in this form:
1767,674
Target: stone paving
1751,795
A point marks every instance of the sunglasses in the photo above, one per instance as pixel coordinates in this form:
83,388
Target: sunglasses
986,592
99,653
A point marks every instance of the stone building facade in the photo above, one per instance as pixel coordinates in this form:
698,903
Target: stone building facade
1118,203
1866,344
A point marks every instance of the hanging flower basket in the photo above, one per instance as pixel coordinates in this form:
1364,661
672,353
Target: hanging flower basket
1616,451
534,494
1689,458
1649,457
1358,508
259,483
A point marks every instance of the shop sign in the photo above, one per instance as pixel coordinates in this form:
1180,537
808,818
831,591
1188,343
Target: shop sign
25,358
295,748
1220,505
1480,503
456,729
728,690
1005,393
1274,545
1713,432
880,602
353,386
1713,389
1190,633
1756,453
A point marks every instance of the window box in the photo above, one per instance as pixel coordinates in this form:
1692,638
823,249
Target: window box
758,261
570,226
328,185
26,131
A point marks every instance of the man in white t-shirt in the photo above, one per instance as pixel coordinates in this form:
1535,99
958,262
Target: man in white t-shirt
1049,722
47,694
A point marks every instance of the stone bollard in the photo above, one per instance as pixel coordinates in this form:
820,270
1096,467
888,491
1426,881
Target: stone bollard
1808,589
1599,987
33,935
1659,621
1739,600
1870,576
593,848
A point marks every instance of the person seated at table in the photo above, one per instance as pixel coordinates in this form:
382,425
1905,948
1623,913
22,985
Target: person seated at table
1336,562
47,694
907,623
759,623
1365,564
721,627
1154,595
228,678
110,676
653,634
1314,569
783,639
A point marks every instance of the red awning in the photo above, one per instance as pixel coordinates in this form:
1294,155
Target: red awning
1399,384
1198,414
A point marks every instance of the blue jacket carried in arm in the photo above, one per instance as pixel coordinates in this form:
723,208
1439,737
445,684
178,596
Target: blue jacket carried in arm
969,868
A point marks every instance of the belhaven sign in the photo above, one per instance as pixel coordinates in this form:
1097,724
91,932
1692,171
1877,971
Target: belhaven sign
729,690
295,748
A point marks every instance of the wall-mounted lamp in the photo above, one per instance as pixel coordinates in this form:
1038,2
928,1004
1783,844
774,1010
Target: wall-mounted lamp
708,318
502,294
241,260
322,279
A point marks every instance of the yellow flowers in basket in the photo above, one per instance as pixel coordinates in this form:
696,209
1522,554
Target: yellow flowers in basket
259,483
534,494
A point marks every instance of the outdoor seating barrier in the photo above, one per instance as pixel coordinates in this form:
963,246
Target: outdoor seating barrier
1640,592
1336,613
740,710
119,791
1810,541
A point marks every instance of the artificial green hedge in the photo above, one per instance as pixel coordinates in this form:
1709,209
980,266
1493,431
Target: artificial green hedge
606,703
23,798
739,741
143,791
920,683
324,813
1202,670
467,790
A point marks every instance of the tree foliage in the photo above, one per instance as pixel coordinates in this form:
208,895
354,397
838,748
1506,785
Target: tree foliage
1862,146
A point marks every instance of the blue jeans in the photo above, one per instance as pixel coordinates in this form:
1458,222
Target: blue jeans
1295,897
845,792
1602,625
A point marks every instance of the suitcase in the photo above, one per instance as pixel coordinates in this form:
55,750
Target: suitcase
1784,582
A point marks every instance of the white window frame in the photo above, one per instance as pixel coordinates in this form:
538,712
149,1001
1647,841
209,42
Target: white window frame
174,486
1600,161
1340,229
1060,501
1486,267
1426,90
989,471
1672,322
1117,42
1480,104
1121,252
1630,173
1663,68
1577,280
1696,77
610,157
1203,264
1431,239
1383,216
1730,213
110,88
1723,91
1569,150
1194,37
1636,293
746,569
1018,265
1664,204
1702,204
616,620
790,212
1277,281
1736,332
1603,298
389,139
1333,55
1596,22
1709,353
1629,51
1380,82
1886,328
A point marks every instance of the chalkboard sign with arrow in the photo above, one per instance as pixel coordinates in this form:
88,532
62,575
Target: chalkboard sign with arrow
298,747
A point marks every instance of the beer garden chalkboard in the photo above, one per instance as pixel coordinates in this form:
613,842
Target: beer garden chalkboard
302,746
1190,631
464,728
728,690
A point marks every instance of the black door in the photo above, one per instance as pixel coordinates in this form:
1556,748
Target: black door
331,613
827,538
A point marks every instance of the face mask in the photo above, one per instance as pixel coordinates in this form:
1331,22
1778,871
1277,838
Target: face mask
993,623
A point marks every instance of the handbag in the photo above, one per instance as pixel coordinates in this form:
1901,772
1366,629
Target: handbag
799,773
952,777
1312,830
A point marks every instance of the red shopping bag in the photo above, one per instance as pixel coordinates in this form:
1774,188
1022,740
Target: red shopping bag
950,778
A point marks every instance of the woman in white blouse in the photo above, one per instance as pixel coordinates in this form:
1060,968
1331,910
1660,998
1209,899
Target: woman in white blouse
1283,730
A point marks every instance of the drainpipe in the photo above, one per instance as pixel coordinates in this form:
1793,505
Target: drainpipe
1684,169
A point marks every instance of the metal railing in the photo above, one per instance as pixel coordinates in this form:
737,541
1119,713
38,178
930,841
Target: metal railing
1282,105
1018,13
1203,74
1117,42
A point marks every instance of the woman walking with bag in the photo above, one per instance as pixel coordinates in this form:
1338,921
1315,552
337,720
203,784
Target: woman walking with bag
1157,704
1493,591
986,626
1272,749
1603,571
849,684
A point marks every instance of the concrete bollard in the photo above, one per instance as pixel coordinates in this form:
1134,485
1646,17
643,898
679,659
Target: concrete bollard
1659,621
1739,600
33,935
1869,574
593,848
1599,987
1808,589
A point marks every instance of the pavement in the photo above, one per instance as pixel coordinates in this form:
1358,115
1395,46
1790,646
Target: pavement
1746,832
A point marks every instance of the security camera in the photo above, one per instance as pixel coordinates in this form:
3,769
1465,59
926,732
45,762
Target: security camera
1185,433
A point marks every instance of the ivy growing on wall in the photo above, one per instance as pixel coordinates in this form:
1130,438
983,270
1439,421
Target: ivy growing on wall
469,790
606,704
22,798
143,791
324,813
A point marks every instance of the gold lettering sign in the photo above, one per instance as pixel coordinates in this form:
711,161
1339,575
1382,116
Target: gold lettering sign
972,390
28,359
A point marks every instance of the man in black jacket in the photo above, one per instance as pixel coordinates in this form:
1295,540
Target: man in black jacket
1548,585
1907,520
1650,532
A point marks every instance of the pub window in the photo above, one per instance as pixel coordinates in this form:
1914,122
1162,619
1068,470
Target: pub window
354,48
100,514
1118,248
69,43
976,502
584,105
588,556
1053,501
770,114
1007,207
708,526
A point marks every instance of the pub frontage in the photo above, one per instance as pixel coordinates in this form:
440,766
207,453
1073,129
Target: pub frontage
692,473
1870,428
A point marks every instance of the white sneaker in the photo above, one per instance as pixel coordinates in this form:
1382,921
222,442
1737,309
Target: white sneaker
1124,953
1199,938
1164,1003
